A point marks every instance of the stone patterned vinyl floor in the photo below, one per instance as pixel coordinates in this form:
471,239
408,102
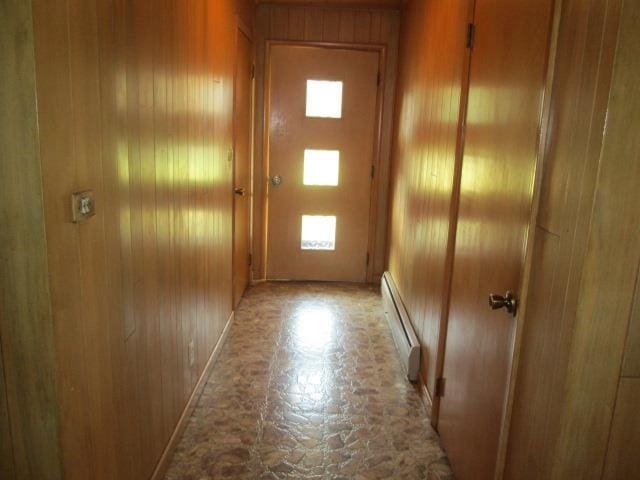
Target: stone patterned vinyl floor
309,386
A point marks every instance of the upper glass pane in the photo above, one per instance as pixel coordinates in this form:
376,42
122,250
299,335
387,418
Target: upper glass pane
324,99
321,167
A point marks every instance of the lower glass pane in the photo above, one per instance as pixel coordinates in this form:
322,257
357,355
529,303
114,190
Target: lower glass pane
318,232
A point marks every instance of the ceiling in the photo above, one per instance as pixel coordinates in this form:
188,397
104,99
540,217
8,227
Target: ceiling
345,3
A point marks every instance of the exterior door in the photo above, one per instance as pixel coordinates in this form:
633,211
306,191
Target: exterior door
242,165
506,86
322,119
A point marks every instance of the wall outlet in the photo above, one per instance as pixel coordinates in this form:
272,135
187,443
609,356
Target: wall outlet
192,353
83,205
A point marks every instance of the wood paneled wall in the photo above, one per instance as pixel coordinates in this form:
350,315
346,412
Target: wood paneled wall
585,46
315,24
330,24
574,415
135,102
594,390
631,365
341,3
622,153
426,160
28,412
7,465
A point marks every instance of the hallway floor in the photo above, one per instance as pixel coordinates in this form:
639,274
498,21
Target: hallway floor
308,385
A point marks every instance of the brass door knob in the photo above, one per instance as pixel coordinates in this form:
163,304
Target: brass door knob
239,191
507,301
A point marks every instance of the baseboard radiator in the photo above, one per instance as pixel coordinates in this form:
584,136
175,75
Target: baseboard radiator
403,334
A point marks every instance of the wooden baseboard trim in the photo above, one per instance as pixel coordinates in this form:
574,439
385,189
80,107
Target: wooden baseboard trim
425,396
167,454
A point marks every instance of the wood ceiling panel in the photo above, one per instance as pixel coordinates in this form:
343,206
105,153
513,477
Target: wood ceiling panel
339,3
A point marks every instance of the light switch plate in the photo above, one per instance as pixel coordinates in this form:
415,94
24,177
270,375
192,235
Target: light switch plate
83,206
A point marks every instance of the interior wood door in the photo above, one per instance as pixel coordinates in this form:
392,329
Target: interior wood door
506,86
242,165
322,119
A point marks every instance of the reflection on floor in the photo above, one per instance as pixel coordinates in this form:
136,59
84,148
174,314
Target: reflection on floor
308,386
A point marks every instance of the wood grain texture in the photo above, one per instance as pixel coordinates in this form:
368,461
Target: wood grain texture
332,24
426,158
288,22
622,460
507,82
609,273
631,364
136,103
338,3
29,412
585,46
243,148
183,422
7,466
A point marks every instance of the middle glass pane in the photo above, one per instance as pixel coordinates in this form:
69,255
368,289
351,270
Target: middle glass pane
321,167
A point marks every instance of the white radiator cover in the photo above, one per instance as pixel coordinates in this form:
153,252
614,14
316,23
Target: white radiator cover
403,335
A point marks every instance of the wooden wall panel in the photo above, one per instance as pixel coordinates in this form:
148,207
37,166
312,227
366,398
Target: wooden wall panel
347,26
330,24
28,413
296,25
609,274
425,159
582,74
7,466
631,364
574,338
622,460
135,103
384,4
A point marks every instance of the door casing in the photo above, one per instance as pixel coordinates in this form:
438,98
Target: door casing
239,281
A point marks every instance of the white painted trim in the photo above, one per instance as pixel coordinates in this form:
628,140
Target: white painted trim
403,335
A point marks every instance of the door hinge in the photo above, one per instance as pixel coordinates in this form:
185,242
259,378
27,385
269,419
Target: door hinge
373,170
471,35
379,78
368,258
250,259
439,388
253,71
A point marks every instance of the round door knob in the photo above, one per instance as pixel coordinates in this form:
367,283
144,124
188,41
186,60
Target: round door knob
276,180
507,301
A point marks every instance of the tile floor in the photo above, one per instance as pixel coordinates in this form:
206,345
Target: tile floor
309,386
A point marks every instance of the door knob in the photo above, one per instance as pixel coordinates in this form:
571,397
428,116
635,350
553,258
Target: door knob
239,191
276,180
508,301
